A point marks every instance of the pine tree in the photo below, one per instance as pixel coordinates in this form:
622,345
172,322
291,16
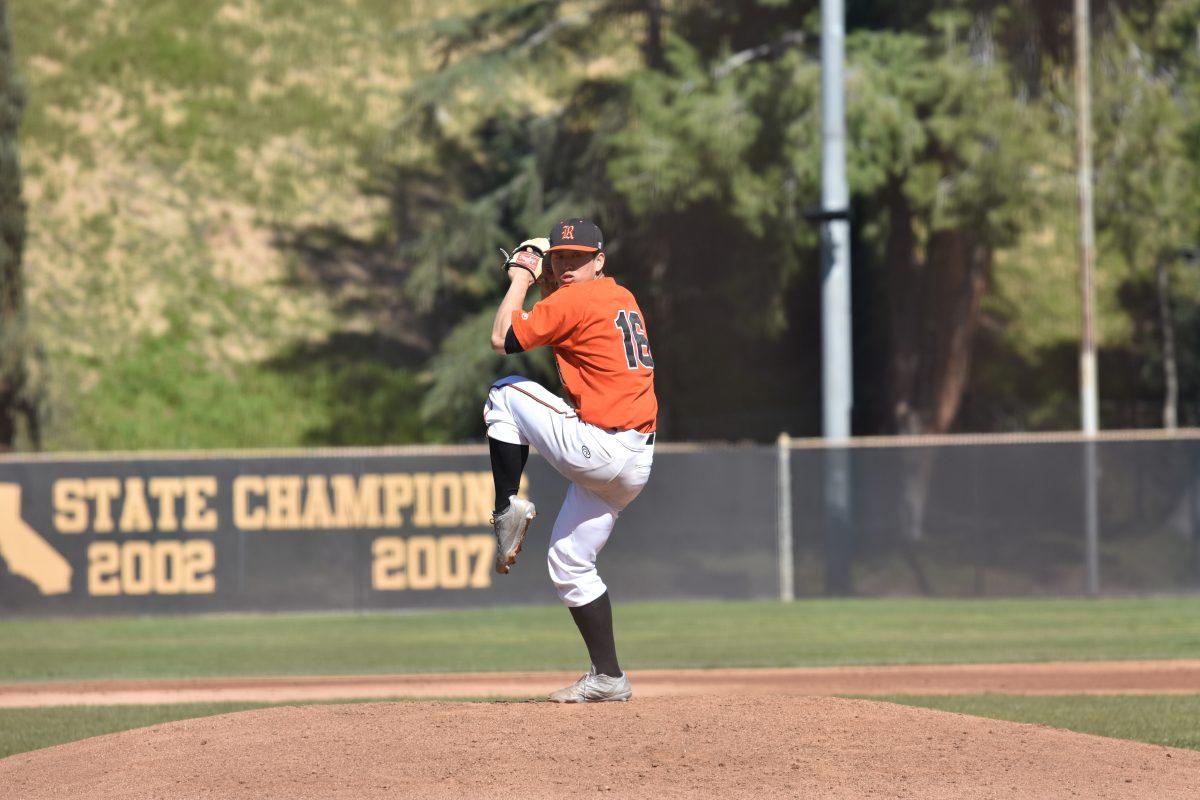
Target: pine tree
696,147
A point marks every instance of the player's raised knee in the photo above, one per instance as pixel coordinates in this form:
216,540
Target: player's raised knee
576,582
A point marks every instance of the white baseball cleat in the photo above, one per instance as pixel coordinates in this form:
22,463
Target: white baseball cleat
510,527
593,688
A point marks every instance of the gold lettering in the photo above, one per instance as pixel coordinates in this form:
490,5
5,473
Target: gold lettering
70,508
421,518
387,568
317,513
166,491
200,557
104,491
481,546
452,562
136,564
356,508
422,562
397,495
283,502
168,560
104,564
135,514
478,498
447,499
243,517
426,562
197,491
141,567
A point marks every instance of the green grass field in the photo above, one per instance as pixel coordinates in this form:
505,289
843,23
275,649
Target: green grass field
700,634
24,729
1167,719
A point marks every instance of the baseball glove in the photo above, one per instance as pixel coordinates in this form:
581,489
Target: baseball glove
527,256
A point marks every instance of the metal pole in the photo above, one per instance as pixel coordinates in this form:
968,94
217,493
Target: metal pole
1087,259
836,373
1091,510
1170,370
1087,223
783,523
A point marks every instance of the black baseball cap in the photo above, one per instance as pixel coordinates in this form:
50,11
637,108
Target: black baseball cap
576,234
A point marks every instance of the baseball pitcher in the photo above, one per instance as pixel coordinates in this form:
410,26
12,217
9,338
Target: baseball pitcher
602,441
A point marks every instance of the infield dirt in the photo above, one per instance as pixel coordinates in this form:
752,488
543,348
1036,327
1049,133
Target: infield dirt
1063,677
660,747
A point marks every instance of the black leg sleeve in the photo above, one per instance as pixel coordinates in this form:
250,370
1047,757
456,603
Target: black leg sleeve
508,462
594,621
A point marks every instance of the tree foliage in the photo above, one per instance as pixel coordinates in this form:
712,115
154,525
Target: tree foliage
691,132
941,173
1147,197
15,402
698,156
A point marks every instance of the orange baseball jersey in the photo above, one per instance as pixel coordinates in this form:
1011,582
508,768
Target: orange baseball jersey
599,338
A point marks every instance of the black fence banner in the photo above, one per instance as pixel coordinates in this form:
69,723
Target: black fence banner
359,530
401,528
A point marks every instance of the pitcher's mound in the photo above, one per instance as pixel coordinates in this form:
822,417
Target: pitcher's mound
728,747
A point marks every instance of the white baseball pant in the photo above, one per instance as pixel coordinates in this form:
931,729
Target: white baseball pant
607,470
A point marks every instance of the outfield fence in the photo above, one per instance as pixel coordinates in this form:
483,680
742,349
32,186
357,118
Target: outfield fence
385,528
999,515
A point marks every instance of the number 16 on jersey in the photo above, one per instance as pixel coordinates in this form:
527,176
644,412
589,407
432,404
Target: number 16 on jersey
633,333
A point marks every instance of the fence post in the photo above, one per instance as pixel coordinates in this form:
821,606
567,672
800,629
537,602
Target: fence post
783,523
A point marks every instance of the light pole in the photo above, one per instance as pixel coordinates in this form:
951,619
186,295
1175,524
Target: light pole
836,370
1087,258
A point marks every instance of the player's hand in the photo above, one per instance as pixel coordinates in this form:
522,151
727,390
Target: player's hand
527,258
522,276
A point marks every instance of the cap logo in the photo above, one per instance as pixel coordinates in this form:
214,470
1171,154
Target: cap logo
568,232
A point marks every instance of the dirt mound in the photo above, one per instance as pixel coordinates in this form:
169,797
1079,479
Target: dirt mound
759,747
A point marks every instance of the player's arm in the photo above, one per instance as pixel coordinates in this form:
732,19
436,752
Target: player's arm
503,339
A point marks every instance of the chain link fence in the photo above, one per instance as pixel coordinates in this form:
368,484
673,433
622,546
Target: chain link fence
395,528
